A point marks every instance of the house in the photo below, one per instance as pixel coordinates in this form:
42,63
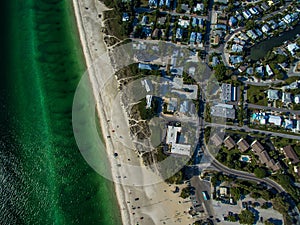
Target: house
125,17
237,48
265,28
249,71
179,33
232,21
253,11
193,37
274,166
148,101
247,15
199,38
288,124
287,19
153,3
199,7
145,20
185,8
259,33
286,98
236,59
223,110
260,71
292,48
184,23
264,6
156,33
215,61
229,143
269,70
243,145
173,140
162,20
195,22
273,24
276,120
201,23
297,99
257,147
251,34
216,140
290,154
273,94
228,92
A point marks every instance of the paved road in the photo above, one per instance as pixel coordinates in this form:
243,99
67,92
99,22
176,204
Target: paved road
247,129
273,109
200,186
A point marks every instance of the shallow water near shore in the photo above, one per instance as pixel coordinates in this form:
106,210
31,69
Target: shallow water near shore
44,179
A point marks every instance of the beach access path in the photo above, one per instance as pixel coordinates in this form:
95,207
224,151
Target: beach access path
139,204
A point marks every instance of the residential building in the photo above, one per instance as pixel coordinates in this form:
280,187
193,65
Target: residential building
276,120
199,7
215,61
293,48
290,154
265,28
243,145
253,11
125,17
193,37
260,71
237,48
232,21
252,34
269,70
228,92
257,147
179,33
247,15
236,59
273,94
216,140
223,110
153,3
286,98
229,143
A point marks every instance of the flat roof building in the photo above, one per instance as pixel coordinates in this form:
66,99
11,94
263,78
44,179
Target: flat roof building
173,136
223,110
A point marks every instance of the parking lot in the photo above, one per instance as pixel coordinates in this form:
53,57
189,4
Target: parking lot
222,210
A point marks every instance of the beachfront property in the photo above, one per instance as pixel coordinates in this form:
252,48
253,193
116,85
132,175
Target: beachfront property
174,140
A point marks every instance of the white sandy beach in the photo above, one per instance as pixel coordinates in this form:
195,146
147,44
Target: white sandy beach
150,204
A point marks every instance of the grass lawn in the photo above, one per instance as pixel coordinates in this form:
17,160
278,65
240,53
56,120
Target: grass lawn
257,95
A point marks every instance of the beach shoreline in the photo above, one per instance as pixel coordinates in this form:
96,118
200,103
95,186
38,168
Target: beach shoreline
100,112
140,201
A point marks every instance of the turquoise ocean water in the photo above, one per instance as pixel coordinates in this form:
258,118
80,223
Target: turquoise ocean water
44,179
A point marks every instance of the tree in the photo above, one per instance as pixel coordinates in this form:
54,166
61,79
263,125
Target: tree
220,71
246,217
235,193
260,172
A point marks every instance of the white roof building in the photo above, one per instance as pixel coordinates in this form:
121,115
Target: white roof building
292,48
276,120
172,139
269,70
265,28
273,94
247,14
